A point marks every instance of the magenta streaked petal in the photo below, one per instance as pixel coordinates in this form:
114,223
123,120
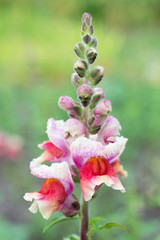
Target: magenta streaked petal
55,134
114,150
59,171
83,148
73,128
109,131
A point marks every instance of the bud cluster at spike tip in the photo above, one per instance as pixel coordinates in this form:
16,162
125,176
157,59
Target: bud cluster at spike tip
71,153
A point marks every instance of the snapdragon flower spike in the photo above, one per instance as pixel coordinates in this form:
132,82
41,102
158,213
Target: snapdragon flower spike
56,191
85,152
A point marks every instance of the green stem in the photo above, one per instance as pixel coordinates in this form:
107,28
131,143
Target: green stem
84,220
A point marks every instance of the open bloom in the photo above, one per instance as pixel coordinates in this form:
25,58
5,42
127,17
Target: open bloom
94,161
60,134
107,134
56,191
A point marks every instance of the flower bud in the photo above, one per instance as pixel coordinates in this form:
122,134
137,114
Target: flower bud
76,80
96,74
95,123
86,38
103,108
80,66
91,30
87,18
84,27
98,94
93,42
85,93
79,49
71,106
66,103
91,54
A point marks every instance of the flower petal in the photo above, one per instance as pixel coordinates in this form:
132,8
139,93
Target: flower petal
73,128
59,171
51,152
49,199
109,131
119,169
83,148
95,172
56,134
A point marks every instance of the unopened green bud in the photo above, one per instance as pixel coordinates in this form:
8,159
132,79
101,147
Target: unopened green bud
85,93
87,18
96,75
86,38
79,49
81,66
84,27
76,80
93,42
91,54
91,30
97,95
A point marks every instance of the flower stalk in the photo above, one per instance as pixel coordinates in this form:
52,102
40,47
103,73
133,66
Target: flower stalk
84,219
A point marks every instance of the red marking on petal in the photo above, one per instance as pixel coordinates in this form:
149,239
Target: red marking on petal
96,166
51,151
53,189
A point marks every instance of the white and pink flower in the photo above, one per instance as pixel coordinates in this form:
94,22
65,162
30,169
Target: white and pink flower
94,161
56,191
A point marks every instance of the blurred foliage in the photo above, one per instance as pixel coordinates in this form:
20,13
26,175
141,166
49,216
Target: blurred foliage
36,61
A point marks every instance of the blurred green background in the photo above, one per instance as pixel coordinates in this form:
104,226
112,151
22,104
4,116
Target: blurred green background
36,61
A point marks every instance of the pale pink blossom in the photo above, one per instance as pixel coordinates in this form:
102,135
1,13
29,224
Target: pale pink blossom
56,190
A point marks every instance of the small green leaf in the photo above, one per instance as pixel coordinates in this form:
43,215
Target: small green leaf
94,225
72,237
109,225
58,220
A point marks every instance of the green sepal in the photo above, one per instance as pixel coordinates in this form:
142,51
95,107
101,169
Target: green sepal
58,220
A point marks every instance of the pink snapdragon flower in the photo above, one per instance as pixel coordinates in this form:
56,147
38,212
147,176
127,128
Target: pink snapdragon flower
61,134
56,191
94,161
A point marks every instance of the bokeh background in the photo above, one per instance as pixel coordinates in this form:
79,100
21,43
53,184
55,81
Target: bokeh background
36,61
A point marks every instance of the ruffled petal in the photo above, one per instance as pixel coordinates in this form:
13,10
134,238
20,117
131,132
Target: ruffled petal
73,128
51,152
119,169
49,199
55,134
83,148
109,131
59,171
95,172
